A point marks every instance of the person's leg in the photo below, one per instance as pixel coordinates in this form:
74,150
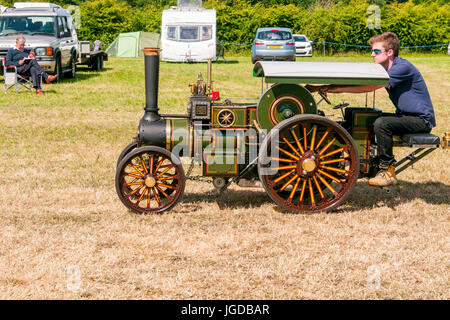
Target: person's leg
24,70
35,76
385,128
35,65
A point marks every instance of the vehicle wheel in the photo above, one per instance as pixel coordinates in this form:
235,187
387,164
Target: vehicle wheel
58,69
132,145
98,63
150,180
253,61
313,166
73,69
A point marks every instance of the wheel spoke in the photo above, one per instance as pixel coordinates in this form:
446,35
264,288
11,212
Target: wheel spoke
167,178
322,139
333,161
303,191
305,138
137,169
158,165
311,193
294,189
327,146
297,141
164,194
291,146
288,153
327,185
329,176
332,152
135,190
288,183
156,196
333,169
143,164
282,160
133,175
142,195
319,188
313,139
283,176
166,186
167,169
286,167
132,184
151,165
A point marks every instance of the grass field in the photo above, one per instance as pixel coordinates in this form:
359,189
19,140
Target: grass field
64,234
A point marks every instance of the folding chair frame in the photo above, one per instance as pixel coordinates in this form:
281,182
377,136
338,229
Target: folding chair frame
20,82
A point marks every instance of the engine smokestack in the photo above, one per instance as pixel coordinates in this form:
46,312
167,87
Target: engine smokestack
151,56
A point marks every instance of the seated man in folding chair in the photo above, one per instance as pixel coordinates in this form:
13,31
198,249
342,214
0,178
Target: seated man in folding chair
23,60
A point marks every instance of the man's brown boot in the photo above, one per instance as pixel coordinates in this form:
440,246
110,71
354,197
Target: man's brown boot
384,177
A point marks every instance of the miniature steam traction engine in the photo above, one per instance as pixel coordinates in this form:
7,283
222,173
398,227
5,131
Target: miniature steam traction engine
304,161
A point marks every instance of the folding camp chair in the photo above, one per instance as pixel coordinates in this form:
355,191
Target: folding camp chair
13,79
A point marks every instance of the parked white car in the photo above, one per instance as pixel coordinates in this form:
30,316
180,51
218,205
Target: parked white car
302,46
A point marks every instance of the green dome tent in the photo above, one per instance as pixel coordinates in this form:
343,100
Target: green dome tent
130,44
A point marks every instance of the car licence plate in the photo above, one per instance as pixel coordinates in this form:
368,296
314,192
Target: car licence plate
274,47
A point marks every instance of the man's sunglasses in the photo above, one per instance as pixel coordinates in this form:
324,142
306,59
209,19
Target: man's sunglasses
377,51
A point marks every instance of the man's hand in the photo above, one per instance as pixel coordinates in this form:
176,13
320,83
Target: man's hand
31,55
21,62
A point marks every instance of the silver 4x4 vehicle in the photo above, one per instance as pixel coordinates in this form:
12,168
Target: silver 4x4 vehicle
49,30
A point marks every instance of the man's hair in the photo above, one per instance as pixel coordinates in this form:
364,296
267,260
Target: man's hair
390,41
20,38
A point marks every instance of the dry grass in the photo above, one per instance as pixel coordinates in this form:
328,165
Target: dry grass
60,214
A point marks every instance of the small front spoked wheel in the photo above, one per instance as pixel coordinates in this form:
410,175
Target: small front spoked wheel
150,180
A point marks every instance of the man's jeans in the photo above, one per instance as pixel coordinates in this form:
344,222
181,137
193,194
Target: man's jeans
390,124
32,68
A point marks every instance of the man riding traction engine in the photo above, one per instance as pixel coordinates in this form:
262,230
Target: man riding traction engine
407,91
305,162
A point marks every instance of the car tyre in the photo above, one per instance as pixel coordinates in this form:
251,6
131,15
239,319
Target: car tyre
58,69
73,69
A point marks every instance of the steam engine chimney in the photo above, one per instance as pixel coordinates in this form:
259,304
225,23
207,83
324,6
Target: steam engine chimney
151,83
152,128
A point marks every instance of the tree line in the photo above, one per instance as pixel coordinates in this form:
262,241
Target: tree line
417,22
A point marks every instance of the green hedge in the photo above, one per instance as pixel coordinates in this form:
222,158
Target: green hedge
417,22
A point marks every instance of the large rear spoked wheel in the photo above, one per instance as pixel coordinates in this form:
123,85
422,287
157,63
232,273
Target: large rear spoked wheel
308,163
150,180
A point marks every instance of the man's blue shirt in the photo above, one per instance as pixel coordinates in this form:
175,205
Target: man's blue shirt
408,91
14,56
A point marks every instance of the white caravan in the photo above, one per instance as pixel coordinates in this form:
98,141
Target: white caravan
188,34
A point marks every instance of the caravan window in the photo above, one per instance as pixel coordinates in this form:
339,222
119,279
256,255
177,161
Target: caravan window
206,32
189,33
172,33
